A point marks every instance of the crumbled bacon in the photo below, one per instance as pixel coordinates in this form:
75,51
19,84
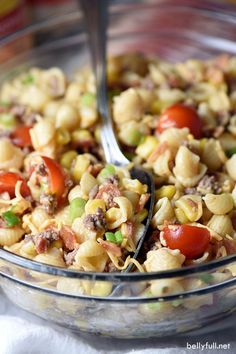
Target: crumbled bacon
142,201
68,237
130,225
111,247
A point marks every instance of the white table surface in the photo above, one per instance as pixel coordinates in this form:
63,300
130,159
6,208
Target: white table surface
89,344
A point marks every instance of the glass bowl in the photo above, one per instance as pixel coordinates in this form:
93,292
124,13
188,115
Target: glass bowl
173,32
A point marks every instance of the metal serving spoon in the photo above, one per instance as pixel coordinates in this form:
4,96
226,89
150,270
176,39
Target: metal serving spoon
96,16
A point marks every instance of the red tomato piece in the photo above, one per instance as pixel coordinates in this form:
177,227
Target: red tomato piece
56,176
192,241
8,182
181,116
21,136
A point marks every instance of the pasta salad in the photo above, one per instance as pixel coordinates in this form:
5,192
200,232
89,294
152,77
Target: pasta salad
60,204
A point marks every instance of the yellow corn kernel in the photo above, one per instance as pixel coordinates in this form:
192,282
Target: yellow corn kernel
62,136
166,191
92,205
156,107
202,144
81,135
145,149
101,288
191,206
57,244
134,185
180,216
81,165
67,158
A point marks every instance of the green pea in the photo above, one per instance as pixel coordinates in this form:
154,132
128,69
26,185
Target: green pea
7,120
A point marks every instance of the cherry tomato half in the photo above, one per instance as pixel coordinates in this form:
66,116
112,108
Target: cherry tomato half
56,176
192,241
8,182
21,136
180,116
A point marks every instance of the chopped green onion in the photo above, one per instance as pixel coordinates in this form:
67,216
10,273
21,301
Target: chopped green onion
76,208
11,218
108,171
29,79
206,277
7,120
134,137
87,99
231,152
110,237
118,236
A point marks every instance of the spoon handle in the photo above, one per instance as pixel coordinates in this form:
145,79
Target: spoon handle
96,18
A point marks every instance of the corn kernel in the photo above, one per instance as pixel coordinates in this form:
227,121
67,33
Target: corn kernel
62,136
166,191
67,158
92,206
145,149
81,135
57,244
81,165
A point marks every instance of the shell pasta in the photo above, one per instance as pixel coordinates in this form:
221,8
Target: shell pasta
61,204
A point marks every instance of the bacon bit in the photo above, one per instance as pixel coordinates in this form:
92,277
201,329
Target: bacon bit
110,247
142,201
160,149
108,192
68,237
95,169
41,245
230,245
130,225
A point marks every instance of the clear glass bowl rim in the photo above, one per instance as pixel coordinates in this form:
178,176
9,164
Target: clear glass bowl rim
116,276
